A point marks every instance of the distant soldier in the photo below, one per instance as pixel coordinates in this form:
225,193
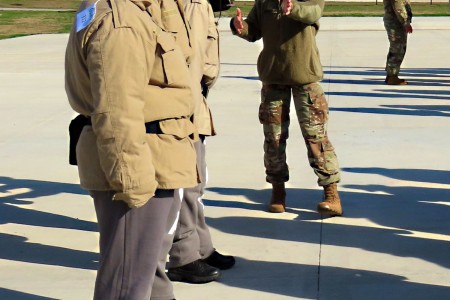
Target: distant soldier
397,21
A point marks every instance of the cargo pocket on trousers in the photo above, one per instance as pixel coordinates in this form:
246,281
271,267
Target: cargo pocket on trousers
331,164
318,106
271,113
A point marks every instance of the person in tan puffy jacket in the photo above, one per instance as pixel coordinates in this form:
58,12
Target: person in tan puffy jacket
130,80
193,257
192,23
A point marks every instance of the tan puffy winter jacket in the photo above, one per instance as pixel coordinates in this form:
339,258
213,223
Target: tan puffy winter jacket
205,61
123,71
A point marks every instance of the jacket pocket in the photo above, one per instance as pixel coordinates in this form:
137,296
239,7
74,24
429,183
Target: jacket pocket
168,69
174,160
318,106
91,173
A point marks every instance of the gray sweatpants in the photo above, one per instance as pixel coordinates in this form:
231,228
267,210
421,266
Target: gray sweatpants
192,240
132,243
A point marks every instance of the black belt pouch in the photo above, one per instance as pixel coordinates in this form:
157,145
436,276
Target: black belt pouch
75,128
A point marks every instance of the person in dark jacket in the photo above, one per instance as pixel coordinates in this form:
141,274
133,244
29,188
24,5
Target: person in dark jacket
289,65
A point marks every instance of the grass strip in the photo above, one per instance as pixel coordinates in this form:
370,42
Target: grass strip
55,4
19,23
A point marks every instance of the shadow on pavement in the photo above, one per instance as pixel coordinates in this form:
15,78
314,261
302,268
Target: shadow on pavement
401,110
10,295
435,77
407,220
32,189
382,94
415,92
416,175
300,281
15,193
241,77
18,249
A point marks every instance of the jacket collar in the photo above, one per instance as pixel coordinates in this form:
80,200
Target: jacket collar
142,4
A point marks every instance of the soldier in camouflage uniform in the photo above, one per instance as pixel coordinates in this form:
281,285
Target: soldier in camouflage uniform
397,21
289,65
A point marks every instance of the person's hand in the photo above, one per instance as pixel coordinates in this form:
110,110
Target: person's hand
409,28
286,5
237,21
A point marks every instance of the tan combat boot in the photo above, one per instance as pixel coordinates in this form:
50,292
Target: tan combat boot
331,205
394,80
277,202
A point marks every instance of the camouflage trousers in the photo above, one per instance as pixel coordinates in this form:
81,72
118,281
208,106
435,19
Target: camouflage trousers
312,113
397,46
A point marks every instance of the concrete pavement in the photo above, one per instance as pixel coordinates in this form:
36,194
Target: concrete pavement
392,142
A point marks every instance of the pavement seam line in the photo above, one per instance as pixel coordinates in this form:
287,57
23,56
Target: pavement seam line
320,256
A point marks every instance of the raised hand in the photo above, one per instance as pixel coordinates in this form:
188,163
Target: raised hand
286,5
237,21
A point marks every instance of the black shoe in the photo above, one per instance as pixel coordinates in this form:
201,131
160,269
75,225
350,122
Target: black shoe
220,261
194,272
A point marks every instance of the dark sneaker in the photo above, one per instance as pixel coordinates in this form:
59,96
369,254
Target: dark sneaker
194,272
220,261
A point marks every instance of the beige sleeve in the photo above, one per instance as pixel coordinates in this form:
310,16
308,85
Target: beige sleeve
115,58
204,40
212,59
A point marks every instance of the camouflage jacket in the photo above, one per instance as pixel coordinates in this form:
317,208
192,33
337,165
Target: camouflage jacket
398,10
